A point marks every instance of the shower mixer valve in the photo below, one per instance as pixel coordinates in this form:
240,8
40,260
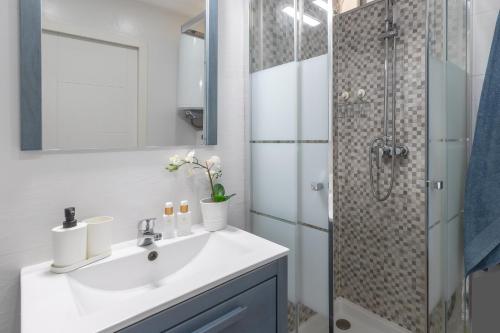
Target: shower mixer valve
385,150
401,151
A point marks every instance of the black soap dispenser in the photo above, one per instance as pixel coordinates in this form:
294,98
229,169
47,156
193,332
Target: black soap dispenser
69,240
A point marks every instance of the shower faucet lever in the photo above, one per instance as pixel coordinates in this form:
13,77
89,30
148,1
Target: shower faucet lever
401,151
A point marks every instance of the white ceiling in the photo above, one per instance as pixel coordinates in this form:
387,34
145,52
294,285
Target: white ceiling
186,7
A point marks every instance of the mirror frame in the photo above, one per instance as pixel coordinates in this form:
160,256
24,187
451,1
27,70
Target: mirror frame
30,12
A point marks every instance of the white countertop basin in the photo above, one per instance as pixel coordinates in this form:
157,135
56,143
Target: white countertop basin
126,287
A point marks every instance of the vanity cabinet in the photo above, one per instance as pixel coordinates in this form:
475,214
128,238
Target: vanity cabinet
251,303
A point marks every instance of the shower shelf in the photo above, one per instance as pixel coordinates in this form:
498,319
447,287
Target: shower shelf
354,110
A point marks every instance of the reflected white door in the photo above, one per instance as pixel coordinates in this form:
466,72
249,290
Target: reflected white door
90,93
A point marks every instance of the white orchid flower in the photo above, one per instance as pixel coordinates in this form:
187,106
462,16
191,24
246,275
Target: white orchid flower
175,160
190,157
214,163
211,167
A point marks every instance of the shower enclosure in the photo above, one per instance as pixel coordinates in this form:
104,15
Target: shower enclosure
358,158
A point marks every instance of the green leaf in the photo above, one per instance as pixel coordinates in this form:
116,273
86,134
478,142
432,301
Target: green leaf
220,194
219,190
219,198
229,196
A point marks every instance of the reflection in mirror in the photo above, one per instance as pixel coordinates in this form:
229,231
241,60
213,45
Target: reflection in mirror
122,74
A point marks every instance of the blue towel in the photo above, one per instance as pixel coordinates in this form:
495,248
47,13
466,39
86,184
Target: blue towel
482,189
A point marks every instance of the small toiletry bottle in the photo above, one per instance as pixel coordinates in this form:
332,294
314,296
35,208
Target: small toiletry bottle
169,221
184,219
69,240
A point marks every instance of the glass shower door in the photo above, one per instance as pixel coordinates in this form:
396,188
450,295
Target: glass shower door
447,156
289,148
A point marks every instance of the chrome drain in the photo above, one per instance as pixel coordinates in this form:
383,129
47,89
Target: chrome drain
152,255
343,324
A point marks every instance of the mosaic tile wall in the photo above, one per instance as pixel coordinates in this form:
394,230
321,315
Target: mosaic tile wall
305,313
272,33
380,247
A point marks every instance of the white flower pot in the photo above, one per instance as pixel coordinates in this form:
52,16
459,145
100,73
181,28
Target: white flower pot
214,214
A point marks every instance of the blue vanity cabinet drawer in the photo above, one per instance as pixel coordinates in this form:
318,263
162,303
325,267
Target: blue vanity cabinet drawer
250,312
255,302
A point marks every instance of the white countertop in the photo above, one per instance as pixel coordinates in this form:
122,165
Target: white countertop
125,288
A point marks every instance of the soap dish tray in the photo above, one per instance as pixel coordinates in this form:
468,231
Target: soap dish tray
67,269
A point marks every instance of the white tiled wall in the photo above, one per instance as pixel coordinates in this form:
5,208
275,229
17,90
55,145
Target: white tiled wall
484,16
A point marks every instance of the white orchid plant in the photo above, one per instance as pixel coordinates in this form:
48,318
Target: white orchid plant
212,167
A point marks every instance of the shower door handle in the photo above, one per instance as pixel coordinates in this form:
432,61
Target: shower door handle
316,187
437,185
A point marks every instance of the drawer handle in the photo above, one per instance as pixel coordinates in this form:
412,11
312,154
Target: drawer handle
223,321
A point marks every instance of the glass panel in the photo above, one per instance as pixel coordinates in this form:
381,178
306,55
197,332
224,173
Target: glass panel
271,33
456,157
312,287
290,161
436,198
274,104
447,144
313,29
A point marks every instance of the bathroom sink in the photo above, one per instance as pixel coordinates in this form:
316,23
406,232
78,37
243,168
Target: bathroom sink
133,273
135,282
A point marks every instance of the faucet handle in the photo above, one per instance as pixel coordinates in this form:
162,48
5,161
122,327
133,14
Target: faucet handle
147,225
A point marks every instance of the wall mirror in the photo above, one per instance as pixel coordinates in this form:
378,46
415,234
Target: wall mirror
118,74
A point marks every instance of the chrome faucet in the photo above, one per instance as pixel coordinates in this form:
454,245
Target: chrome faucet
146,234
